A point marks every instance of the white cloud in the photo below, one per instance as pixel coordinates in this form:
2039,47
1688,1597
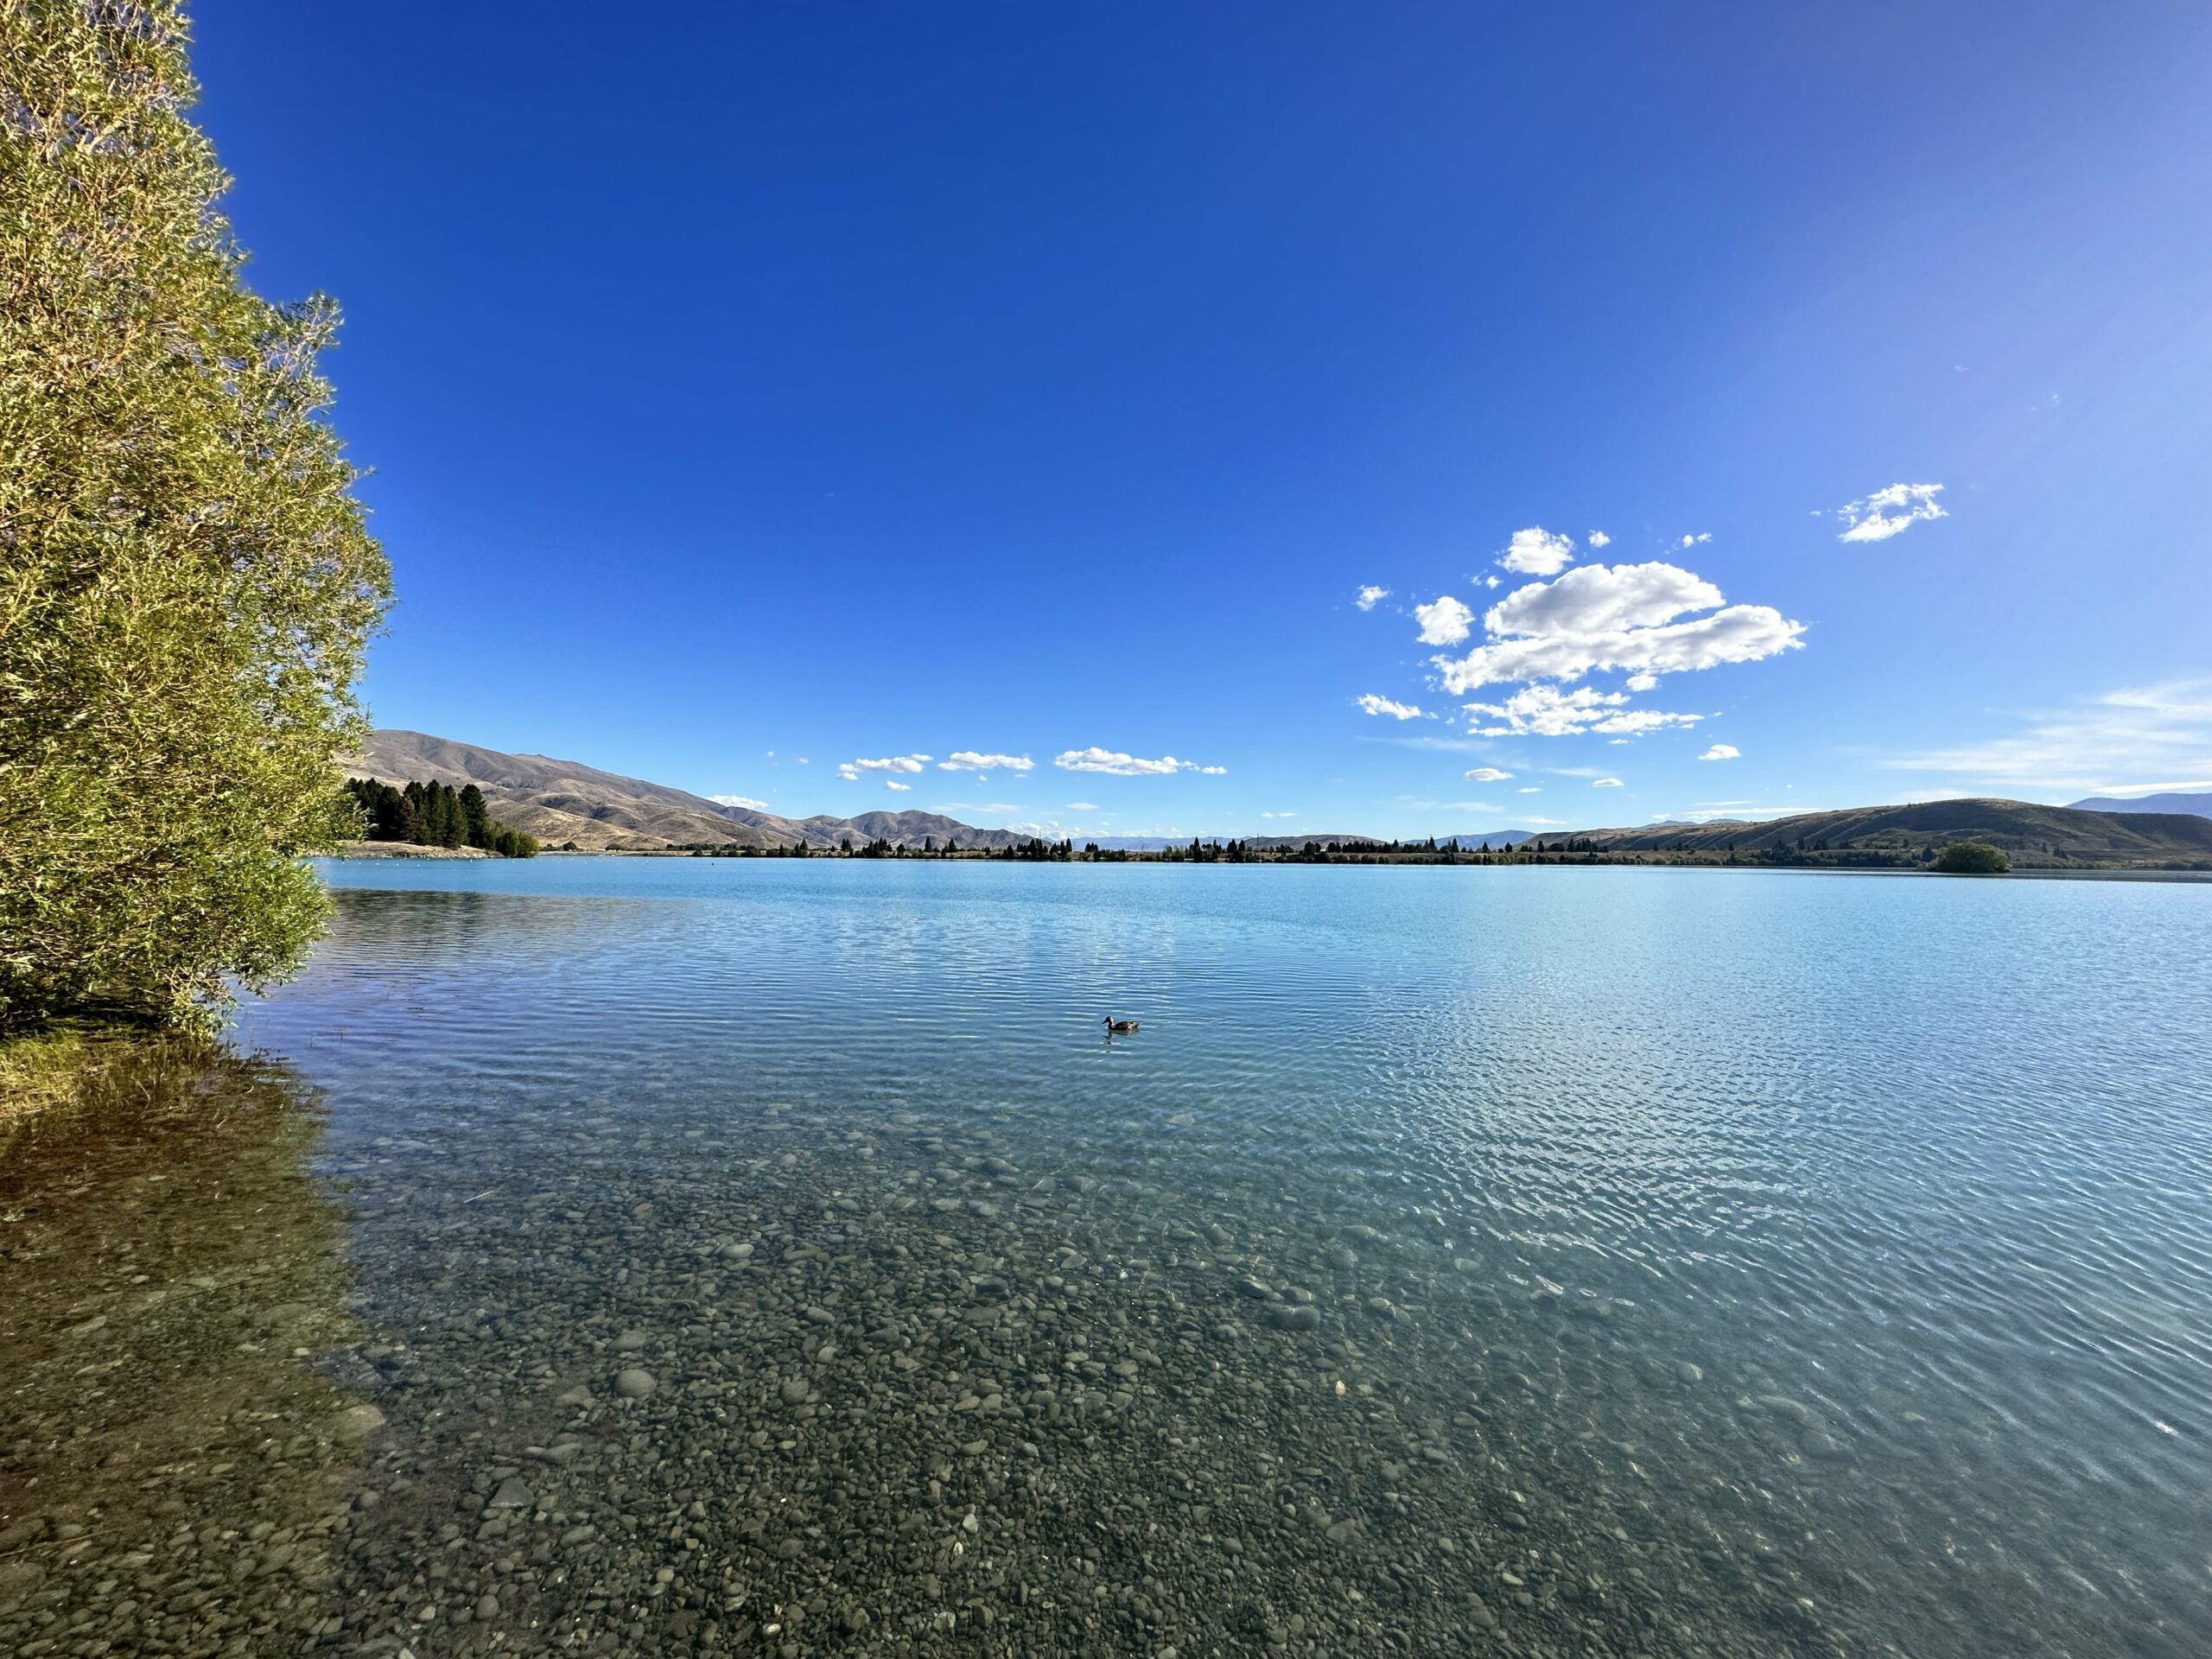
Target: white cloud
1278,815
1722,752
1605,783
1375,705
1081,806
1890,512
1598,538
1119,765
1536,552
1547,711
1622,616
849,772
1369,595
2110,743
968,760
1641,683
1112,760
1733,813
1601,599
1691,541
1485,775
1533,789
892,763
1443,622
739,800
893,782
1417,803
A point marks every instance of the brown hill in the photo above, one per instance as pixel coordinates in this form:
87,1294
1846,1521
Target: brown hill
2035,836
563,801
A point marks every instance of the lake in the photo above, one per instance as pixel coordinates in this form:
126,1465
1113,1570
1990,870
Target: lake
638,1257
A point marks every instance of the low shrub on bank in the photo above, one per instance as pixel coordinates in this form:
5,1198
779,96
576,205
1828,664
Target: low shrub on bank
1972,858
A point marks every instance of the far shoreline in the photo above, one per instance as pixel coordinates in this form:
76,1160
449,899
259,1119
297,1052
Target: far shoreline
396,852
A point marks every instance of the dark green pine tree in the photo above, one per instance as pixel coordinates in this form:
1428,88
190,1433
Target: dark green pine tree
476,818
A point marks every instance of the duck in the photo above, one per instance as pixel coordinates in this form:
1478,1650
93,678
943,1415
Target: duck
1119,1025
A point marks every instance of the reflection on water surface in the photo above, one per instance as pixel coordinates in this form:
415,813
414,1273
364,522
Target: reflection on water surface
172,1467
779,1258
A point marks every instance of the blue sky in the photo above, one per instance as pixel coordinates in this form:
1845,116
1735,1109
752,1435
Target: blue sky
773,389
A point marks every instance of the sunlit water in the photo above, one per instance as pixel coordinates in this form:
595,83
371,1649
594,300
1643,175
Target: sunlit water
1526,1260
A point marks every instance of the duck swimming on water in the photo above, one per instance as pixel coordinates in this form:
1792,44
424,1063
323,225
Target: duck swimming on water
1114,1025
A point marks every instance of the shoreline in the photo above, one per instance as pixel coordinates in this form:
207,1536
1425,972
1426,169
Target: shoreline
388,852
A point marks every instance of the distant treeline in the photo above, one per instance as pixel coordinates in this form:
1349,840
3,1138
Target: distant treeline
1032,850
435,815
1198,852
1553,850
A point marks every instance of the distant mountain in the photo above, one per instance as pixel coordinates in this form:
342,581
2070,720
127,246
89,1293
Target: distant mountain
2197,805
2034,835
563,801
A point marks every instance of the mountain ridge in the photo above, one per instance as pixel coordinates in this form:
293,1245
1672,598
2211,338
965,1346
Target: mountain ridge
2035,836
2169,802
563,802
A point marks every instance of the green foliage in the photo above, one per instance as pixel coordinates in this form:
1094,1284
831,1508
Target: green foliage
187,588
1973,858
435,815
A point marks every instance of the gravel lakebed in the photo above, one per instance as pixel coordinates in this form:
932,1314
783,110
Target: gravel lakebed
788,1383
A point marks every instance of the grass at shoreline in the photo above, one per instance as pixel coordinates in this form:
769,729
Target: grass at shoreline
57,1068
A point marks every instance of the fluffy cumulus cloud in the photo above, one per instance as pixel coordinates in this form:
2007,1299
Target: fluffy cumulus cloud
970,760
1638,619
1605,783
891,763
893,782
1537,552
739,800
1118,765
850,772
1375,705
1487,775
1547,711
1890,512
1602,598
1444,622
1598,538
1722,752
1370,596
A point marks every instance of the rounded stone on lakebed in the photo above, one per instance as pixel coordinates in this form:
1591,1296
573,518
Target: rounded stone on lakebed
633,1383
357,1423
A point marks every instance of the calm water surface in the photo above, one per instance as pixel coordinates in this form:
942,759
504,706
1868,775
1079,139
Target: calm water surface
1516,1261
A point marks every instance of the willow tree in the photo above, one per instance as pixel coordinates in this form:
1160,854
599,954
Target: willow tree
187,586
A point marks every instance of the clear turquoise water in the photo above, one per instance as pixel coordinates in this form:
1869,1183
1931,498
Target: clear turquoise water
1702,1261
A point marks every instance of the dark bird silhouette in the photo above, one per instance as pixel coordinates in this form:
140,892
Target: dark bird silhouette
1114,1025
